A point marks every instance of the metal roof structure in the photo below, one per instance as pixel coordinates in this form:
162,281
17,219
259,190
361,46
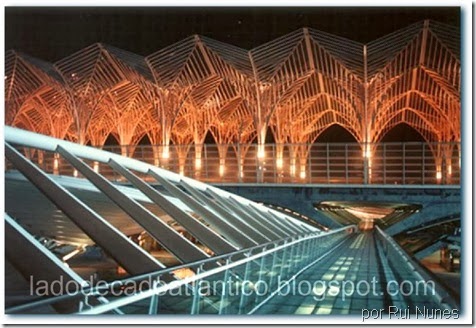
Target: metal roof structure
296,85
91,210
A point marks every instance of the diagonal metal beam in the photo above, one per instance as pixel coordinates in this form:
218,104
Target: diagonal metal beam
285,224
206,236
127,254
296,227
243,213
177,245
36,263
242,217
270,221
222,226
224,214
262,218
270,230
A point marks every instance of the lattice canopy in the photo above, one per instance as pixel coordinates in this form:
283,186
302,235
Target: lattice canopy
296,86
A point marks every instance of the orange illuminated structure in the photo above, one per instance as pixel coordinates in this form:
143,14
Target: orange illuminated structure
295,86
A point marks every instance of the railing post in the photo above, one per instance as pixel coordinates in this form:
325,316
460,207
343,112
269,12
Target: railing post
290,268
346,163
261,273
243,293
366,165
154,304
275,169
272,268
205,160
309,154
384,163
403,163
224,292
309,250
327,163
422,163
196,294
283,260
240,161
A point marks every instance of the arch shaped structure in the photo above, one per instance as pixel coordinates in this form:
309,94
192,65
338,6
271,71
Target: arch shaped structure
296,85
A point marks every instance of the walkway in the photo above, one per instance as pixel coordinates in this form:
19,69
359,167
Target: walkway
353,278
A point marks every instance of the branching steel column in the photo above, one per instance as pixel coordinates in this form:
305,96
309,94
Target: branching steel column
366,151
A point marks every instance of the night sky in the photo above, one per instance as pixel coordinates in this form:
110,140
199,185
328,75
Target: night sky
53,33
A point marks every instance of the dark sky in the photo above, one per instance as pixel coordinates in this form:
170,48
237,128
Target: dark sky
53,33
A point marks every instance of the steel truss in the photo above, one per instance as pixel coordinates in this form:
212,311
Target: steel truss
296,86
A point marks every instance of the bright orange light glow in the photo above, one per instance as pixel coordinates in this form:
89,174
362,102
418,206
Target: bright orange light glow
261,153
56,164
367,153
438,175
292,169
279,163
222,170
198,164
165,152
450,169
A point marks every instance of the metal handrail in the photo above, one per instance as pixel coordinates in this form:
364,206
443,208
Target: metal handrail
204,274
390,246
30,139
425,163
94,291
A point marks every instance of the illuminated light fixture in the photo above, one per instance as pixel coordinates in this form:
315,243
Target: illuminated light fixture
450,170
165,152
70,255
222,170
302,173
182,172
75,173
261,153
279,163
438,175
198,163
367,153
96,166
56,164
292,170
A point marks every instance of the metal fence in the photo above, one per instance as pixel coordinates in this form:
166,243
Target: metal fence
319,163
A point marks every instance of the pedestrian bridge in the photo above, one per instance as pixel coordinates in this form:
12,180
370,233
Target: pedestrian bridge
230,255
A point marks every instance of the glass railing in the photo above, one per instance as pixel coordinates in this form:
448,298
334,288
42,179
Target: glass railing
415,284
235,283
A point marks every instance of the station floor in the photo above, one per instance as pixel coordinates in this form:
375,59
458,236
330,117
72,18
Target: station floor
354,277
